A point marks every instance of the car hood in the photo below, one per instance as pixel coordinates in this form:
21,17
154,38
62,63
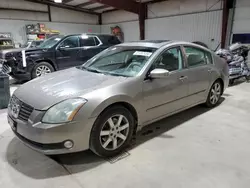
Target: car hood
14,51
41,93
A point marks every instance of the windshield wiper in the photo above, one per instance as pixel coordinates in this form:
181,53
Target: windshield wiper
91,70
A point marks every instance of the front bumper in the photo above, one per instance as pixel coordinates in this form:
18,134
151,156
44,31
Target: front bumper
49,138
15,69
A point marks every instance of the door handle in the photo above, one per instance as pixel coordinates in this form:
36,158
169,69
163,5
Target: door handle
209,70
182,78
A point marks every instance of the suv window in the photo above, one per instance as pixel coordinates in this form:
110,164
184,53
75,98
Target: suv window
170,60
70,42
109,39
195,56
89,41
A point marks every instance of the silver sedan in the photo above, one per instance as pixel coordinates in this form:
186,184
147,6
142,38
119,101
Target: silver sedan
103,103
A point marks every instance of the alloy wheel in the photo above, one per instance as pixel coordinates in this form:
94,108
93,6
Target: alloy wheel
114,132
42,70
215,93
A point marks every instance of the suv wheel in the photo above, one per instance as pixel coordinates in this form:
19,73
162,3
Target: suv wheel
112,132
42,69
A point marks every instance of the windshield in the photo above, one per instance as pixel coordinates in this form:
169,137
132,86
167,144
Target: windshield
120,61
50,42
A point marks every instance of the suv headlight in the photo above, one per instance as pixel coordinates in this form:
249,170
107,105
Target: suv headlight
64,111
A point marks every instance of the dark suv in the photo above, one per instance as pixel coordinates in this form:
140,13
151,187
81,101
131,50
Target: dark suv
56,53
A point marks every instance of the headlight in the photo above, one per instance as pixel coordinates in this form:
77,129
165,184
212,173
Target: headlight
64,111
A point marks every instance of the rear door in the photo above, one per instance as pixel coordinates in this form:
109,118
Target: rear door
199,74
68,52
89,47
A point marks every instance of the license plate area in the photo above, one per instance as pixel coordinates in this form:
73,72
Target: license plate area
234,70
12,123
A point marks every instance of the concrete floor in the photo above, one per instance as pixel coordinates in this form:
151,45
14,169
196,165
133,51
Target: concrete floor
198,148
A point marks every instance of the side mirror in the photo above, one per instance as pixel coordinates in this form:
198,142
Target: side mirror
159,73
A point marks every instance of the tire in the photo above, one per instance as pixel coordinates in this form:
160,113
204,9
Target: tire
48,68
216,92
105,145
231,82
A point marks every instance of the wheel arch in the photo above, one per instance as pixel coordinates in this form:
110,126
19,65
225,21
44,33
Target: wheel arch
111,102
47,61
222,83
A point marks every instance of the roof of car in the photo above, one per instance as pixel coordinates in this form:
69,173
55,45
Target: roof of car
147,43
90,34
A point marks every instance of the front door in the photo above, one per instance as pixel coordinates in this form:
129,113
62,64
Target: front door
166,95
199,74
68,53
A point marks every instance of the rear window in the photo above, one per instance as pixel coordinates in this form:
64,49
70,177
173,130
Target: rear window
109,39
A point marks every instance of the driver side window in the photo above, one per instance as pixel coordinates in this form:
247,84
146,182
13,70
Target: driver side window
70,42
170,60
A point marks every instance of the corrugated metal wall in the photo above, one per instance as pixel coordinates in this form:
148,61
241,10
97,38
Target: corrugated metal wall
187,20
130,30
241,22
127,21
66,21
17,28
204,27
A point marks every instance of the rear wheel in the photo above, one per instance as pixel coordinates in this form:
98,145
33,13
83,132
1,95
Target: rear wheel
214,94
112,132
42,69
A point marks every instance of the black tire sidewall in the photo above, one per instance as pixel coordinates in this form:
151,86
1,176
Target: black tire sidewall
208,102
95,144
33,74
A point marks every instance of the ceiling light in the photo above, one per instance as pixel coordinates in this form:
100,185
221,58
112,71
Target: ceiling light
58,1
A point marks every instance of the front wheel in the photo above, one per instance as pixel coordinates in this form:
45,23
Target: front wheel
214,94
42,69
112,132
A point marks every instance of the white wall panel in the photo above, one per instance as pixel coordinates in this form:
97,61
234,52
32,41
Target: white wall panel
57,14
242,17
21,4
118,16
17,15
242,3
17,28
64,15
175,7
204,27
130,30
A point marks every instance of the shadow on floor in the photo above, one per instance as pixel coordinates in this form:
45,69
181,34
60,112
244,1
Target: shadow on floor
238,82
38,166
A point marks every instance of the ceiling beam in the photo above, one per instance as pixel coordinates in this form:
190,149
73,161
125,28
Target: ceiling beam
100,7
25,10
128,5
61,5
85,4
67,1
112,10
155,1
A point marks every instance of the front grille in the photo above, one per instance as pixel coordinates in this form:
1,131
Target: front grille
6,69
25,109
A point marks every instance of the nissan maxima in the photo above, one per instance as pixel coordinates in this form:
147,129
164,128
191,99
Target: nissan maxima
103,103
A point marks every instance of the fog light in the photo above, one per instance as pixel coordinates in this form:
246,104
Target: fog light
68,144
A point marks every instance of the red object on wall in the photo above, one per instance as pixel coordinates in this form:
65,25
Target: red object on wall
117,31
